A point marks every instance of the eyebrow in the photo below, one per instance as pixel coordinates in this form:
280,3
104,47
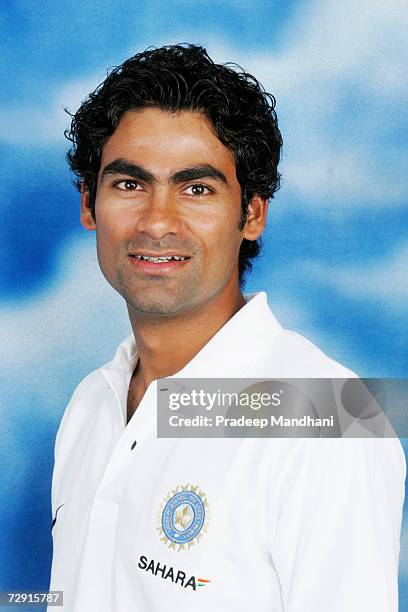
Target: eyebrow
198,172
192,173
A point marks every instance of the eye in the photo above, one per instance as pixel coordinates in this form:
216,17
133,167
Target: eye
198,189
128,185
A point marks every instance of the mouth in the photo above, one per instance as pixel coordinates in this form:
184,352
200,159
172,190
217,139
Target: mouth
155,263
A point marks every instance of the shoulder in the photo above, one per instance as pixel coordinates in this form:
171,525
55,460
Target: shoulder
90,387
299,357
84,400
287,352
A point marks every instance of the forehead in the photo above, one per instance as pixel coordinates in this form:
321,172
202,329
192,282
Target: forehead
163,141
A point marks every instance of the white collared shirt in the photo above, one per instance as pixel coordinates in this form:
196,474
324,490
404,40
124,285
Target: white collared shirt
287,525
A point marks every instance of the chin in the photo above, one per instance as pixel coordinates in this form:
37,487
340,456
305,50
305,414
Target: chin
155,307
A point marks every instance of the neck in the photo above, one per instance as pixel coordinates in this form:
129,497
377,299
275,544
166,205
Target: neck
168,344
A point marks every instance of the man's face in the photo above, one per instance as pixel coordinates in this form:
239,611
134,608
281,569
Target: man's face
167,188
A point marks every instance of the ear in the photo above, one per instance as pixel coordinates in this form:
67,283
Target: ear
256,218
87,221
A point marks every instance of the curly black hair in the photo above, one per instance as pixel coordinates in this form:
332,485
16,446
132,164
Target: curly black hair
184,77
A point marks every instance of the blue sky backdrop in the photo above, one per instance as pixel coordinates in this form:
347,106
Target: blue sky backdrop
335,252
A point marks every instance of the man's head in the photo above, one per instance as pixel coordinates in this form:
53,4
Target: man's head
148,110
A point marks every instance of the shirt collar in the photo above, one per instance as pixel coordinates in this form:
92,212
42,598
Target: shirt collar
228,354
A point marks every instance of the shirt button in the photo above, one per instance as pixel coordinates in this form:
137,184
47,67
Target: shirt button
133,445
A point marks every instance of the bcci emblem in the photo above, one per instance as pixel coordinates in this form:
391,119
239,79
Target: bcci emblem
183,517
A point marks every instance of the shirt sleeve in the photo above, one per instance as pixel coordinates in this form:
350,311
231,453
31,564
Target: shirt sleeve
336,546
57,444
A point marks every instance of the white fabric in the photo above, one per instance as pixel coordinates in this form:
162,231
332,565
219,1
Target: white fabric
296,525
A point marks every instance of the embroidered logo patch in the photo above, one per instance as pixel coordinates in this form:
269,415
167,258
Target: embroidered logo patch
183,517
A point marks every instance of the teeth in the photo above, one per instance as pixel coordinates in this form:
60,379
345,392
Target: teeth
160,259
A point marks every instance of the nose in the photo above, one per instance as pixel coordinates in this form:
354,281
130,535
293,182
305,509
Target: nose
159,215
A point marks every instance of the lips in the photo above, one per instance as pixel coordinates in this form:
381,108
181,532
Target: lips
158,263
160,258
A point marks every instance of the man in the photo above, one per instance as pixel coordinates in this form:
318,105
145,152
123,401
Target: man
176,159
